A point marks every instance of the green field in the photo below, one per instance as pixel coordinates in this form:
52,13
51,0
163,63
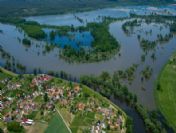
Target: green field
81,122
165,93
56,125
34,31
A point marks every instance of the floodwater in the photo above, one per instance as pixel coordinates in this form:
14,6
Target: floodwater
82,18
74,39
35,57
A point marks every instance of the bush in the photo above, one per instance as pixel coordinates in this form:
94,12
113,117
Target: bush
1,130
129,125
34,31
15,127
26,42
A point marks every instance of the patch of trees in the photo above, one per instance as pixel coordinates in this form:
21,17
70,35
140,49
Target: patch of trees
21,67
159,88
10,63
70,54
165,38
103,47
103,40
143,58
49,47
4,54
26,42
12,20
52,35
152,124
147,45
128,25
15,127
9,60
1,130
129,125
34,31
173,27
31,28
108,86
147,72
155,18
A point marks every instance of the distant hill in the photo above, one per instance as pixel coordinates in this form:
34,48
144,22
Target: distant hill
40,7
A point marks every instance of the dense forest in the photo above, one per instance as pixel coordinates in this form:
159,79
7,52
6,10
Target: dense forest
41,7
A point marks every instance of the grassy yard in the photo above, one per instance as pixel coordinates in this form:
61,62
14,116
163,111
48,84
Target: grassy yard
166,94
81,121
38,127
56,125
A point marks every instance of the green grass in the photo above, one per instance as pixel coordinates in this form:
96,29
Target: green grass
56,125
82,121
38,127
66,115
166,96
34,31
6,72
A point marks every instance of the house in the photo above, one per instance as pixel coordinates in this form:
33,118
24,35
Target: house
64,102
41,79
7,118
76,88
80,106
27,122
1,105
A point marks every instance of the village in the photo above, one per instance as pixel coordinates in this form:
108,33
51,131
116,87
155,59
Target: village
31,99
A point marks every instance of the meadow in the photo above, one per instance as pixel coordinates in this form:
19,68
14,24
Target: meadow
165,92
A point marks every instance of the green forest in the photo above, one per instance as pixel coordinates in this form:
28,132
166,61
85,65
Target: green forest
38,7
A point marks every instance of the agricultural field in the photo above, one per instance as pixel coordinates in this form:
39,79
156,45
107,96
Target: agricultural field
165,92
56,124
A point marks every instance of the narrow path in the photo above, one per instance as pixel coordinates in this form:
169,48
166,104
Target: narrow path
64,121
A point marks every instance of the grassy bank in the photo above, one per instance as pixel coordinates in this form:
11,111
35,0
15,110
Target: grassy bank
165,92
7,72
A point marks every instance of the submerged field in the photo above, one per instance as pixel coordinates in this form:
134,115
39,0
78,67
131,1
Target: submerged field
166,92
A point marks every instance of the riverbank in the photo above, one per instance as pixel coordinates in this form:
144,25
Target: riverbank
165,92
7,72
